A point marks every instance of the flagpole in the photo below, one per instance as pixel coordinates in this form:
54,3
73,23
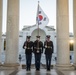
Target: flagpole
38,27
38,20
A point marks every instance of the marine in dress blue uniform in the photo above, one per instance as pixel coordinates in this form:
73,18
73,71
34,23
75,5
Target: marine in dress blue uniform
48,45
38,50
28,46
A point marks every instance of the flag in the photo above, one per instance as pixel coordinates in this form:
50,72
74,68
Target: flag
41,18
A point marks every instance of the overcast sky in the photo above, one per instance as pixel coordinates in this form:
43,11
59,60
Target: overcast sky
28,11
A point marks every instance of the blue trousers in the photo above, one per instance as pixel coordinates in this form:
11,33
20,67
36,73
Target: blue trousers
48,61
28,61
37,61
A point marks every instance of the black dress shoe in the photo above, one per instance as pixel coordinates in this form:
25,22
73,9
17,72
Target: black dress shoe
48,69
37,69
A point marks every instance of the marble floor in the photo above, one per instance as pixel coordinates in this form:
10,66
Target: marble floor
6,72
72,72
33,72
41,72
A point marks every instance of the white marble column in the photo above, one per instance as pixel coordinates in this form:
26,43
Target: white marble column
12,34
63,53
1,3
74,27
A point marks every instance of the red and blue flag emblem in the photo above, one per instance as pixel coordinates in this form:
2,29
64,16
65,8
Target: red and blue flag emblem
41,18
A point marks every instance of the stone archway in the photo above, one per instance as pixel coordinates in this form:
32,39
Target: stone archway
41,33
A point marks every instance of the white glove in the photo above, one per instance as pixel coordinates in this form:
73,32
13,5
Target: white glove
45,46
25,47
